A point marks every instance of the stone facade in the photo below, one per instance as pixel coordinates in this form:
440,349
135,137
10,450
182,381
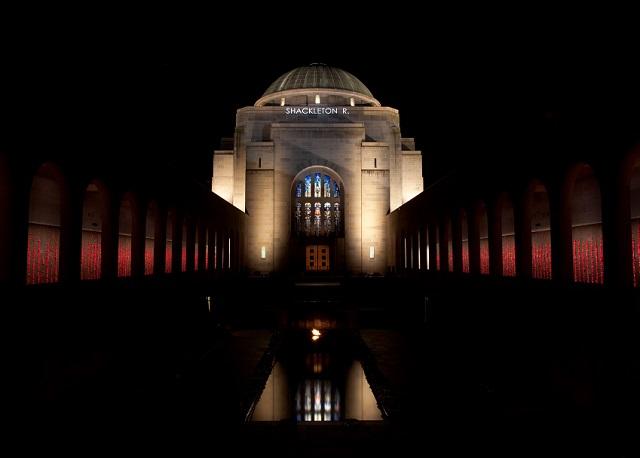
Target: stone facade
359,144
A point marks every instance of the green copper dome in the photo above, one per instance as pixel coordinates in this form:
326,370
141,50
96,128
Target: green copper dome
318,76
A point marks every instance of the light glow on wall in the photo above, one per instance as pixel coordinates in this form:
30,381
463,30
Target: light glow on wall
586,223
43,248
372,252
263,252
317,98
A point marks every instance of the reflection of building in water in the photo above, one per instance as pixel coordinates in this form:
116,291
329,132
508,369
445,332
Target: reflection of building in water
318,400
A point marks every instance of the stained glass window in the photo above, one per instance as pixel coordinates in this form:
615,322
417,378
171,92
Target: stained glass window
328,227
307,217
327,185
317,216
298,215
310,216
317,191
307,186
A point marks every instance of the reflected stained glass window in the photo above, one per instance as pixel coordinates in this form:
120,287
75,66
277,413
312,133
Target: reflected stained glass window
327,185
317,400
299,189
336,189
336,216
317,190
307,186
317,217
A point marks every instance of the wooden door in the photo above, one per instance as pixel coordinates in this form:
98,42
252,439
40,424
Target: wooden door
317,258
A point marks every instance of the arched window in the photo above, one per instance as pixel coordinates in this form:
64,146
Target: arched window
45,217
634,196
464,232
150,237
125,231
92,217
586,225
168,250
540,232
508,239
483,231
317,212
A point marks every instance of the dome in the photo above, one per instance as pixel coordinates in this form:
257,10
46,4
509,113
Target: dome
318,78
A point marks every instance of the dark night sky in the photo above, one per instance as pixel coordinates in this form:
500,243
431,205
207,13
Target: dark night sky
171,97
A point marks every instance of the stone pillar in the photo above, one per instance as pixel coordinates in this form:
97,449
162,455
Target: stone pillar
138,230
70,258
191,244
17,231
444,244
432,245
561,235
616,224
494,219
212,242
522,228
473,226
201,230
6,220
176,251
456,245
160,241
109,237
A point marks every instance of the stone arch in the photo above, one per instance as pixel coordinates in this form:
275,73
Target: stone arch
483,235
586,224
151,233
506,215
299,199
539,209
630,177
169,235
464,237
47,201
94,212
126,222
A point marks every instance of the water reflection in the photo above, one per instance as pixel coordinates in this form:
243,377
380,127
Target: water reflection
319,381
318,400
